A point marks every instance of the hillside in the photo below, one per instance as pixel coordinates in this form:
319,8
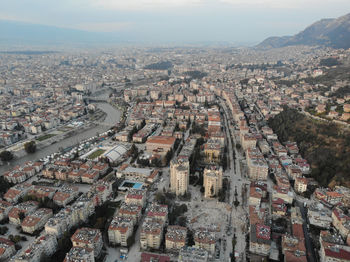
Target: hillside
325,146
326,32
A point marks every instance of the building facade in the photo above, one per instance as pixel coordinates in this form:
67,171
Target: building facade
212,181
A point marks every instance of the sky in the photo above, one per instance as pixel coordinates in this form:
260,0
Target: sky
186,21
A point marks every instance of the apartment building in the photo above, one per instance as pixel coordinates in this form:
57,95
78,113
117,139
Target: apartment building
151,233
300,184
41,192
330,252
65,195
212,151
319,215
136,197
7,249
59,223
44,245
212,181
76,254
134,173
100,192
175,237
25,208
255,196
214,122
90,176
157,211
120,229
15,177
293,249
260,239
257,165
88,238
82,209
258,169
179,175
248,141
36,220
5,208
160,145
14,193
152,257
203,238
341,222
130,210
122,136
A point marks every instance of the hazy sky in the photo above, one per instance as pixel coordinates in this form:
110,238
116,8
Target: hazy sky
178,20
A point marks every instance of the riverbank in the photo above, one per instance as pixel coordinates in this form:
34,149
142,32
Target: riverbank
61,133
111,117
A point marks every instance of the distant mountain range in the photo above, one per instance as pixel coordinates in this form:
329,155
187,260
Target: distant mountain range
16,35
19,33
326,32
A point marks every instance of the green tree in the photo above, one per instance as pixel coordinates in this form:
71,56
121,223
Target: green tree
131,240
64,243
160,198
156,162
169,156
224,162
6,156
133,150
3,230
4,185
212,190
221,195
100,222
131,133
30,147
143,123
190,238
182,221
21,216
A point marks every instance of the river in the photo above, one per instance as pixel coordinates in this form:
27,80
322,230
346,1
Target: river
112,117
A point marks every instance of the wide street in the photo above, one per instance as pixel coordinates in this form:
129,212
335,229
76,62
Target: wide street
238,216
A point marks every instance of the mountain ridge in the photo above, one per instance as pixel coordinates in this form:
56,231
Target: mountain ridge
331,32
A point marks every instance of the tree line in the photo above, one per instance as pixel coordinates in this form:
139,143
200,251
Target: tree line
325,146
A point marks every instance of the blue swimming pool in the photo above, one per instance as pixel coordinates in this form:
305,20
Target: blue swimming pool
130,184
137,185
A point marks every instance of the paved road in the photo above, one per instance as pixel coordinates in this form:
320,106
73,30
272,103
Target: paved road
238,215
346,125
308,243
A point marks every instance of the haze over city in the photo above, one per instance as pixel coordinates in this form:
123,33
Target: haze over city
178,21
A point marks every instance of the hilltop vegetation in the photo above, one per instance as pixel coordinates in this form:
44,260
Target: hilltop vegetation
341,92
196,74
164,65
330,61
326,146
